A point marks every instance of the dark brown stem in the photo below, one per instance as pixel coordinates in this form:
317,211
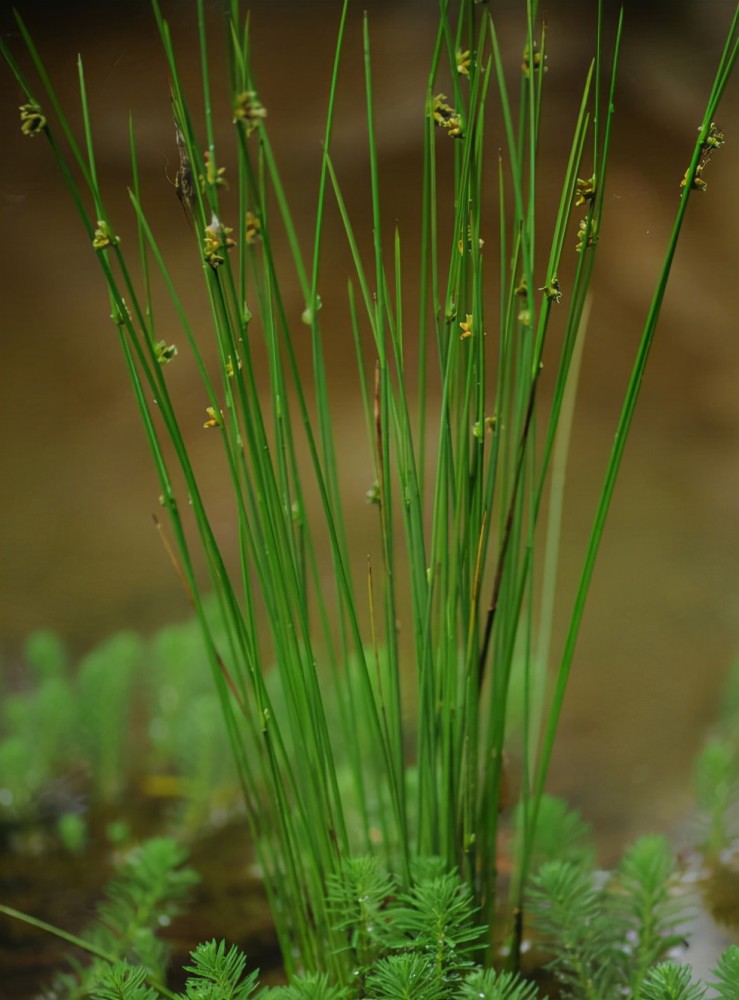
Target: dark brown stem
507,531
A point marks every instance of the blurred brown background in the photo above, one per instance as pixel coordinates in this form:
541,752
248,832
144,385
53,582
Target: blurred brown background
78,551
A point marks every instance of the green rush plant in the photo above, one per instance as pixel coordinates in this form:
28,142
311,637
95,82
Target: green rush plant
368,707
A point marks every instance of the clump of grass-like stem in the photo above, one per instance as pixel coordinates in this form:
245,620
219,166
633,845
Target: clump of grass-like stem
462,526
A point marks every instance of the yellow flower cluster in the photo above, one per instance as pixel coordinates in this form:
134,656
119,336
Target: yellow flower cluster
215,241
214,176
714,140
584,190
33,119
104,237
164,352
446,117
249,110
253,229
215,417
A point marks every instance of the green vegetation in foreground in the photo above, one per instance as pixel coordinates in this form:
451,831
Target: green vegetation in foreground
414,766
600,935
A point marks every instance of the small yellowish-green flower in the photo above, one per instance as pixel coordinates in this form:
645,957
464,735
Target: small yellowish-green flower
464,61
552,290
164,352
374,494
521,289
215,241
232,368
167,500
488,424
584,190
249,110
466,327
253,229
214,176
586,236
308,314
466,245
698,184
104,237
715,138
532,60
446,117
33,120
118,316
215,417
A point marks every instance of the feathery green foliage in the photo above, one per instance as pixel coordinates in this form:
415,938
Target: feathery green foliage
561,834
606,934
726,974
150,888
313,986
357,902
218,974
122,982
409,976
645,908
492,985
567,909
668,981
